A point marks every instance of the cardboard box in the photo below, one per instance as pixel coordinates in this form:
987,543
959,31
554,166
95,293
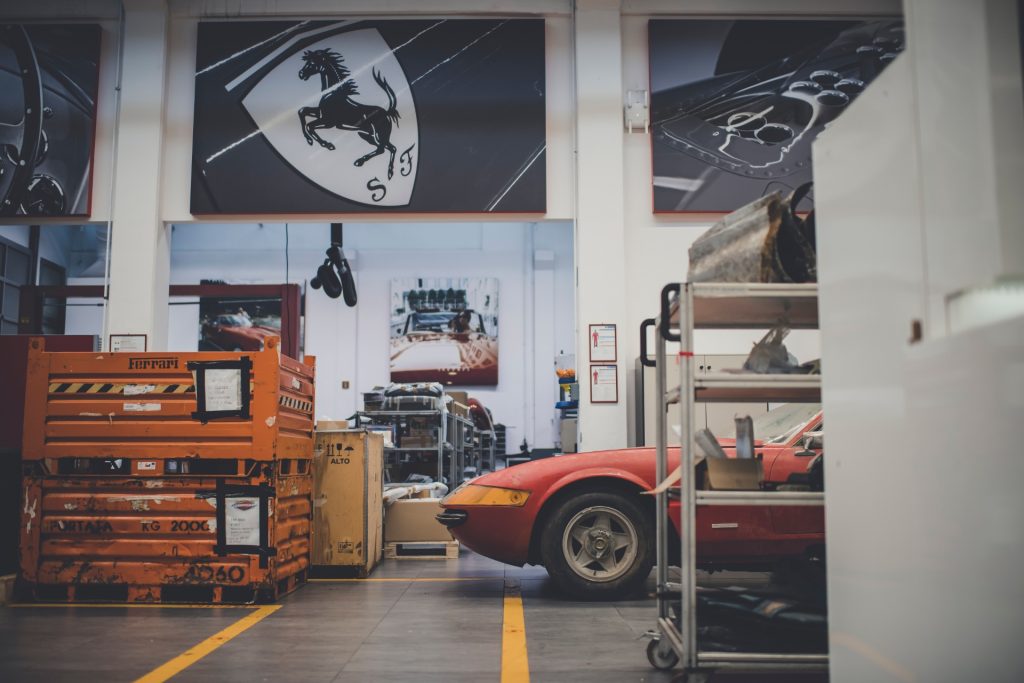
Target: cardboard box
459,396
459,409
348,484
413,520
419,441
331,425
729,474
718,474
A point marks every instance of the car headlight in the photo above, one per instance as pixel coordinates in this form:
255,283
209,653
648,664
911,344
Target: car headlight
477,494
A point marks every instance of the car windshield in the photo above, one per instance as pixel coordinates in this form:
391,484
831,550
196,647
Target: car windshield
445,321
430,322
779,425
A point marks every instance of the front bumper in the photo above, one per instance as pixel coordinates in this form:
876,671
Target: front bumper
500,533
452,518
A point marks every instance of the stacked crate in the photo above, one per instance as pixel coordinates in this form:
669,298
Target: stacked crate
133,492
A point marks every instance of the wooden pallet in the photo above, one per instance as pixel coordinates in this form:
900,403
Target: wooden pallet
423,550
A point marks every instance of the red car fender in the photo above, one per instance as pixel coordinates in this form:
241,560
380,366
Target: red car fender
575,478
593,473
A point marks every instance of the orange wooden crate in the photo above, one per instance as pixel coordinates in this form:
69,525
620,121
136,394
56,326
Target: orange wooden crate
123,503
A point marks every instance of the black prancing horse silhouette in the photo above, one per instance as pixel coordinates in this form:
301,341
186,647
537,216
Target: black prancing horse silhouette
337,109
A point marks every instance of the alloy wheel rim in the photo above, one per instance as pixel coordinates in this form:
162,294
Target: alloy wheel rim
599,543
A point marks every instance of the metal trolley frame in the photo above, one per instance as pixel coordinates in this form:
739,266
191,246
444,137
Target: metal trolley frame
717,306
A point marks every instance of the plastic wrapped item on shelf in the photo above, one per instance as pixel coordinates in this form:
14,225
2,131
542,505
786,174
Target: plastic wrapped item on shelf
433,389
373,399
770,356
412,403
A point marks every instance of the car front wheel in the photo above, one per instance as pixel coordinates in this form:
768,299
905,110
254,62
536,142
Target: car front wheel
598,545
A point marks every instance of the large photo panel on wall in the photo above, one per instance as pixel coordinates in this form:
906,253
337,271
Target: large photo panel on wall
437,115
445,329
49,79
736,104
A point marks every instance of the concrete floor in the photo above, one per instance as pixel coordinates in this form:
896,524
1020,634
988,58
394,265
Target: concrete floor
431,621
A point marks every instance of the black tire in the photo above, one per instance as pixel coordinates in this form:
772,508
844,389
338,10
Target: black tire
618,571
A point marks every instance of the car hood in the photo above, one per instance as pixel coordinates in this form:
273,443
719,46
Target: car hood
427,355
251,332
528,474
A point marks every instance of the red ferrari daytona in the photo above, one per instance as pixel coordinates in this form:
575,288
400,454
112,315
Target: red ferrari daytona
587,519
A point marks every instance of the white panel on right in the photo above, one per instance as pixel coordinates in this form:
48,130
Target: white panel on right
924,465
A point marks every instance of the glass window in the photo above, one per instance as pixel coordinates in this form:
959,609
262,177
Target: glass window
54,310
11,300
16,268
14,271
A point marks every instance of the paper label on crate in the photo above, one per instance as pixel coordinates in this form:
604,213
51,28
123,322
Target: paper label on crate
136,389
147,465
242,521
141,407
223,389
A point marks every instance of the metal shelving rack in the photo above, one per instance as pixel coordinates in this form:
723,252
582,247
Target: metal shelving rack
718,306
484,449
453,434
460,435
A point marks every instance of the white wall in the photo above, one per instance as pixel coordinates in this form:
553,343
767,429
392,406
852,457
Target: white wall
351,344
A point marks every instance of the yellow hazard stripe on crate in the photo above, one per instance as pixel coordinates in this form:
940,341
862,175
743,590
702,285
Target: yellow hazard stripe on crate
109,388
296,404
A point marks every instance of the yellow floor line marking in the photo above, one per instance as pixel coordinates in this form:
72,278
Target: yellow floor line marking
190,657
515,665
436,579
122,605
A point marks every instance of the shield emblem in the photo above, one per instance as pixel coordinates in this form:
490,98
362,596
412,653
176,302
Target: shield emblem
341,113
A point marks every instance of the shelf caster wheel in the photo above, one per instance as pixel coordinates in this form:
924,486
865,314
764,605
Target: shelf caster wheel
661,657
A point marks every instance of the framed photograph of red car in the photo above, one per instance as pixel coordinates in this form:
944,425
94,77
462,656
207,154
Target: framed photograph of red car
445,329
238,323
